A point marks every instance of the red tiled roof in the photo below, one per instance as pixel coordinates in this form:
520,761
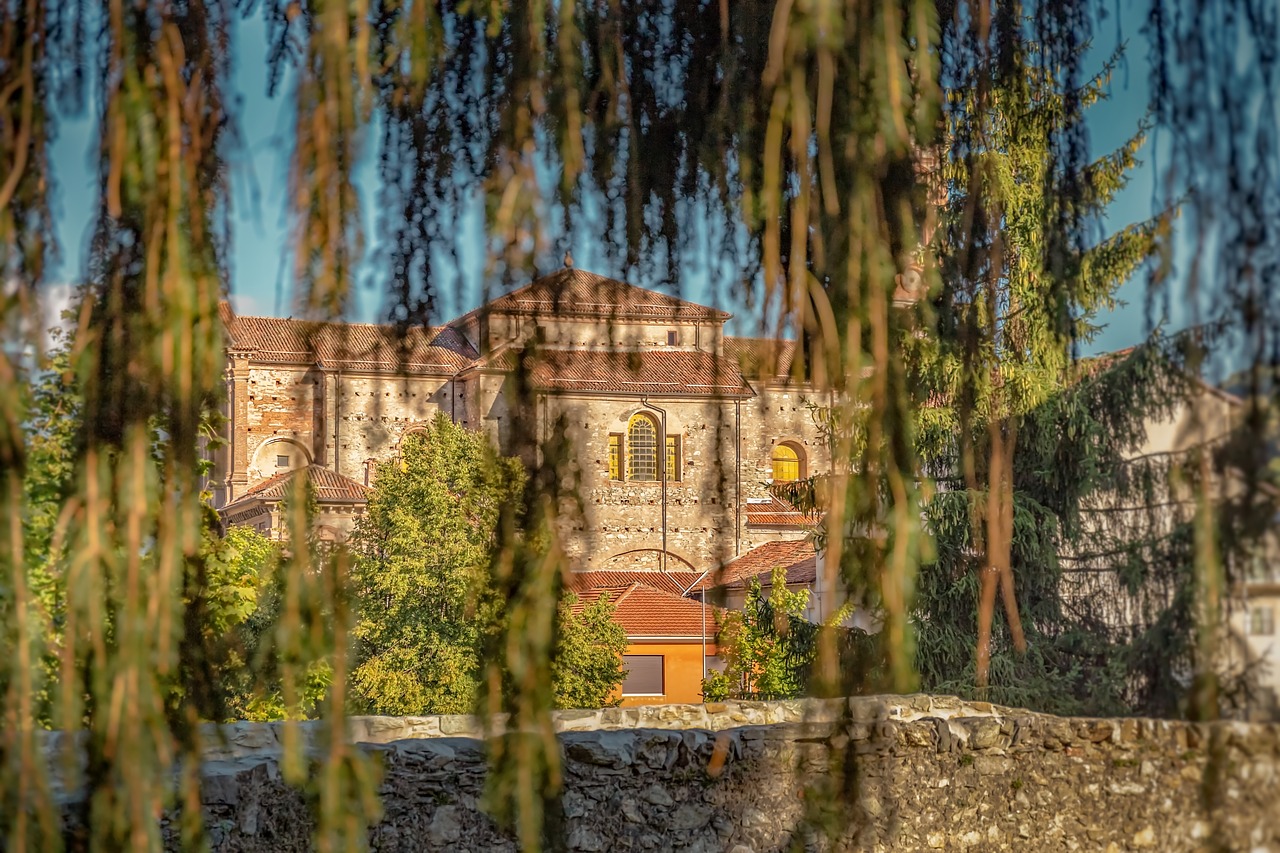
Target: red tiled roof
354,346
328,486
645,612
761,358
575,292
797,558
672,582
776,513
681,373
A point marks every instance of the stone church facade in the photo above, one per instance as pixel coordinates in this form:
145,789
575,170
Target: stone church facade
641,381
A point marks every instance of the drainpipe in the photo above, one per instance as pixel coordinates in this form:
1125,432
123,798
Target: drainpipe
703,591
453,394
737,478
337,421
662,468
704,633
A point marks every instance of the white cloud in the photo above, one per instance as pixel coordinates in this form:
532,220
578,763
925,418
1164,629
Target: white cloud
51,301
54,299
246,304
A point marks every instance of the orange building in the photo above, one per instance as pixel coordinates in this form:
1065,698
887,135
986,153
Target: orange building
671,639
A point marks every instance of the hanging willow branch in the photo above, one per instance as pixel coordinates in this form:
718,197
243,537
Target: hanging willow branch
823,141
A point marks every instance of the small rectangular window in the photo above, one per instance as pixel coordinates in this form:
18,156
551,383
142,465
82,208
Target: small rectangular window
673,457
615,456
644,675
282,461
1262,620
715,663
673,337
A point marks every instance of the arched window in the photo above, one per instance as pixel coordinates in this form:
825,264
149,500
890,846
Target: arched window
642,449
786,463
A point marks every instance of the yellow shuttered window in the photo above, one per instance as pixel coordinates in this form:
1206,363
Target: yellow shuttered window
615,456
786,464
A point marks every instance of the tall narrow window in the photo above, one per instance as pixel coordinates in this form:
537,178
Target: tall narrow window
673,337
673,457
1262,620
615,456
786,464
642,449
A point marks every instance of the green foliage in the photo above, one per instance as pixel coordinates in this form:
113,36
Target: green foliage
1022,444
52,423
252,677
770,650
423,591
762,656
422,551
797,125
587,667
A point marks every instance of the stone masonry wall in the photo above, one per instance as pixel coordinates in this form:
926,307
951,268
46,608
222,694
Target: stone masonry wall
622,523
932,773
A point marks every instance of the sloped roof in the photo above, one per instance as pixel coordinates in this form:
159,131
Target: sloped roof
771,512
645,612
672,582
353,346
797,558
680,373
575,292
761,358
329,486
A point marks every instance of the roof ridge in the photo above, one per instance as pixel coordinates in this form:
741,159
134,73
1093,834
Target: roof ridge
568,276
348,324
634,586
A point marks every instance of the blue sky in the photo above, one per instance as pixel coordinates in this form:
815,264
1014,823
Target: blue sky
260,238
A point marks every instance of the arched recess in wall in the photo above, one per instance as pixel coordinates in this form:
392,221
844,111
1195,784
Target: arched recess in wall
415,432
787,462
327,533
645,559
277,455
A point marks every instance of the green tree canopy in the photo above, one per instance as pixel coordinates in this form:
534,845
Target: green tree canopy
422,560
422,551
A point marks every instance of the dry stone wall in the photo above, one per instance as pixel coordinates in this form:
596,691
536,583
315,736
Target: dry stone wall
928,773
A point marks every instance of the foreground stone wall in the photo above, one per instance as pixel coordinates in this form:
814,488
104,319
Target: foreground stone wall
931,774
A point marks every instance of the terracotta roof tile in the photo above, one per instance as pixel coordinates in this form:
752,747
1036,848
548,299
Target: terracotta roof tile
796,557
354,346
645,612
329,486
761,358
680,373
776,513
575,292
672,582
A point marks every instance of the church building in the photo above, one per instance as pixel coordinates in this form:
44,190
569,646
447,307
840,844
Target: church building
676,429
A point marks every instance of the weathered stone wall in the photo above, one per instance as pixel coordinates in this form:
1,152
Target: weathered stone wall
931,774
345,421
282,408
622,524
375,413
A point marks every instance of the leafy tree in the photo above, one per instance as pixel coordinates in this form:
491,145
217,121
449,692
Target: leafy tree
763,657
1026,449
587,667
1000,403
222,588
423,552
